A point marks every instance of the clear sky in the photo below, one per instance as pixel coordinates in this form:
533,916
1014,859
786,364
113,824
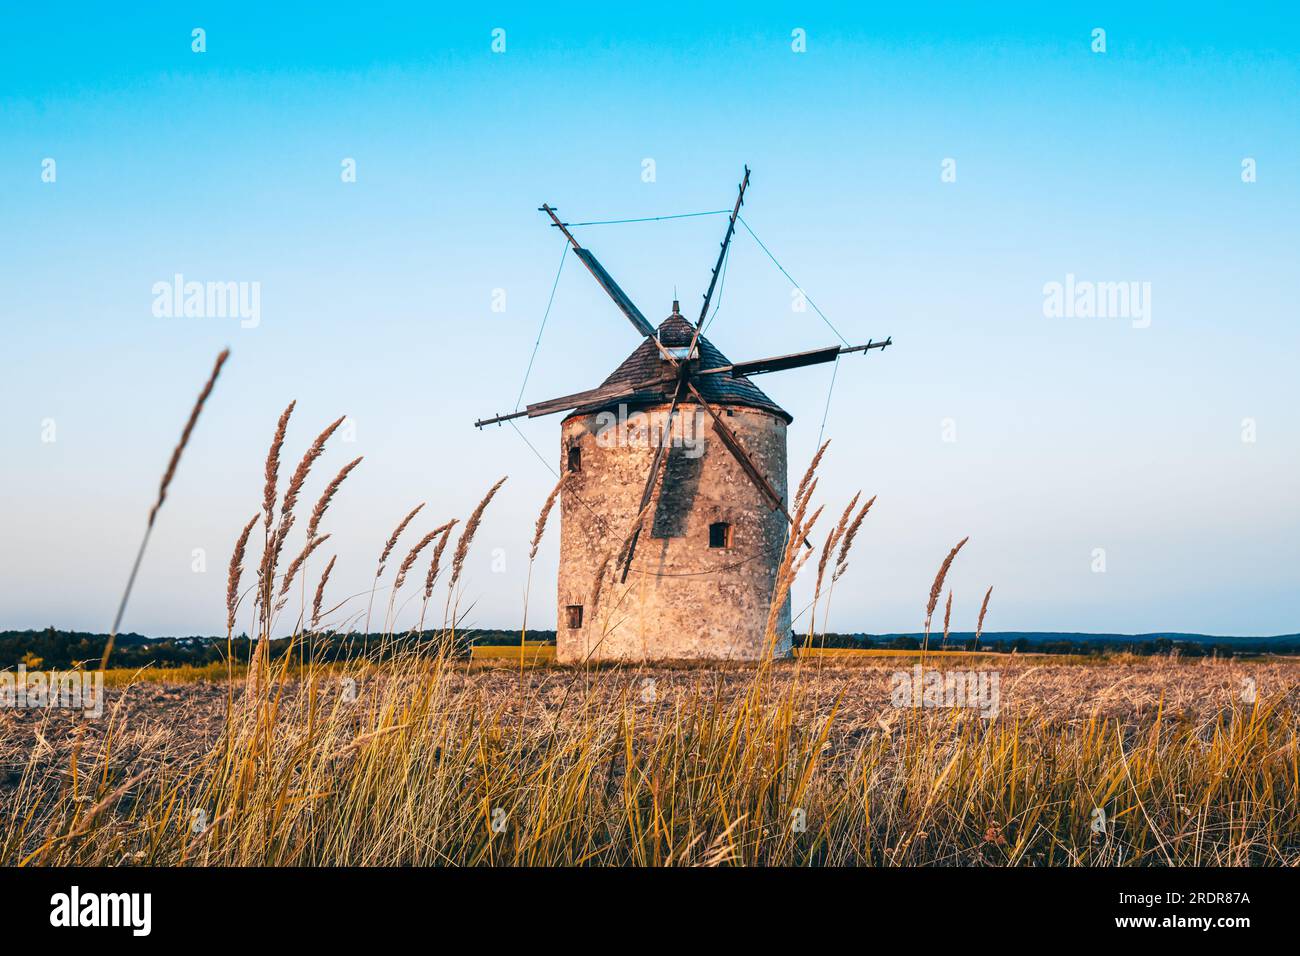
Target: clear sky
1072,433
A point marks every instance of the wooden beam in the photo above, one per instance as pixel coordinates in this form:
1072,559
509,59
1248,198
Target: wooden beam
612,288
653,390
777,363
746,463
661,454
722,253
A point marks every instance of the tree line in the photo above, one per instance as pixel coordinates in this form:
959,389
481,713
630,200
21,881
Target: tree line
52,649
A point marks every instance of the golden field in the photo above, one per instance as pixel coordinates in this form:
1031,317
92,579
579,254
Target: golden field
795,763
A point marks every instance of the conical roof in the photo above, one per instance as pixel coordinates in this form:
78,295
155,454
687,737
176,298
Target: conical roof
646,362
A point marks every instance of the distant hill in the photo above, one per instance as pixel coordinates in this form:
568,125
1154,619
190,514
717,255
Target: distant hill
1038,637
1075,642
54,649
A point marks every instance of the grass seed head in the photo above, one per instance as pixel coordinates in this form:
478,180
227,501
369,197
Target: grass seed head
804,489
320,592
832,539
323,503
842,562
467,535
937,587
984,607
436,561
415,553
308,459
236,572
188,430
298,562
392,538
273,465
540,528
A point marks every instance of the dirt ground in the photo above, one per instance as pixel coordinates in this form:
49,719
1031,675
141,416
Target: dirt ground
163,722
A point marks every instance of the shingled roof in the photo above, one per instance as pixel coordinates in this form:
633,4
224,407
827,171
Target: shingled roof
646,363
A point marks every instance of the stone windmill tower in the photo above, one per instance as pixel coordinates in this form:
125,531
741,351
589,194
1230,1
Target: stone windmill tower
673,515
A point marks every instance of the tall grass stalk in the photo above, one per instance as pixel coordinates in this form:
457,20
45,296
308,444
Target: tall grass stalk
163,485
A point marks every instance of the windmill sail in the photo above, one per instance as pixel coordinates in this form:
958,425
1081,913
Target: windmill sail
609,394
620,298
778,363
606,281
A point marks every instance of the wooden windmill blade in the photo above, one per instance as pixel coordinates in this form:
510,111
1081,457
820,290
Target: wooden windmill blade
722,253
612,288
780,363
604,395
626,305
777,363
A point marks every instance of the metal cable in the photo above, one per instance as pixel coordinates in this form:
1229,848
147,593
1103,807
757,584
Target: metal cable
828,322
615,222
545,316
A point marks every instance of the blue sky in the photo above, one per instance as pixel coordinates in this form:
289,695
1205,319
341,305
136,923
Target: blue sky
1072,434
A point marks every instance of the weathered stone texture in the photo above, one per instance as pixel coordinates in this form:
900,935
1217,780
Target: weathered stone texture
682,600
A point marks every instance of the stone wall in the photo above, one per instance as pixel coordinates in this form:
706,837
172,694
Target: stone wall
683,599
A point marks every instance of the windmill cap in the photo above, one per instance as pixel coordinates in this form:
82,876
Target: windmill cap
675,331
645,364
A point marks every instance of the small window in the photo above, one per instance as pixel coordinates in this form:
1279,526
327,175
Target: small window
720,535
575,458
574,615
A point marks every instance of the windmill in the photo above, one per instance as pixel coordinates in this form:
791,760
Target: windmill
689,572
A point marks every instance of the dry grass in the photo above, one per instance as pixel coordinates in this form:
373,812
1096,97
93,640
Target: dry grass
717,765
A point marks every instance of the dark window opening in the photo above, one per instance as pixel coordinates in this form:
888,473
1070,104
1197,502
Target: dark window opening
720,535
575,458
574,614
